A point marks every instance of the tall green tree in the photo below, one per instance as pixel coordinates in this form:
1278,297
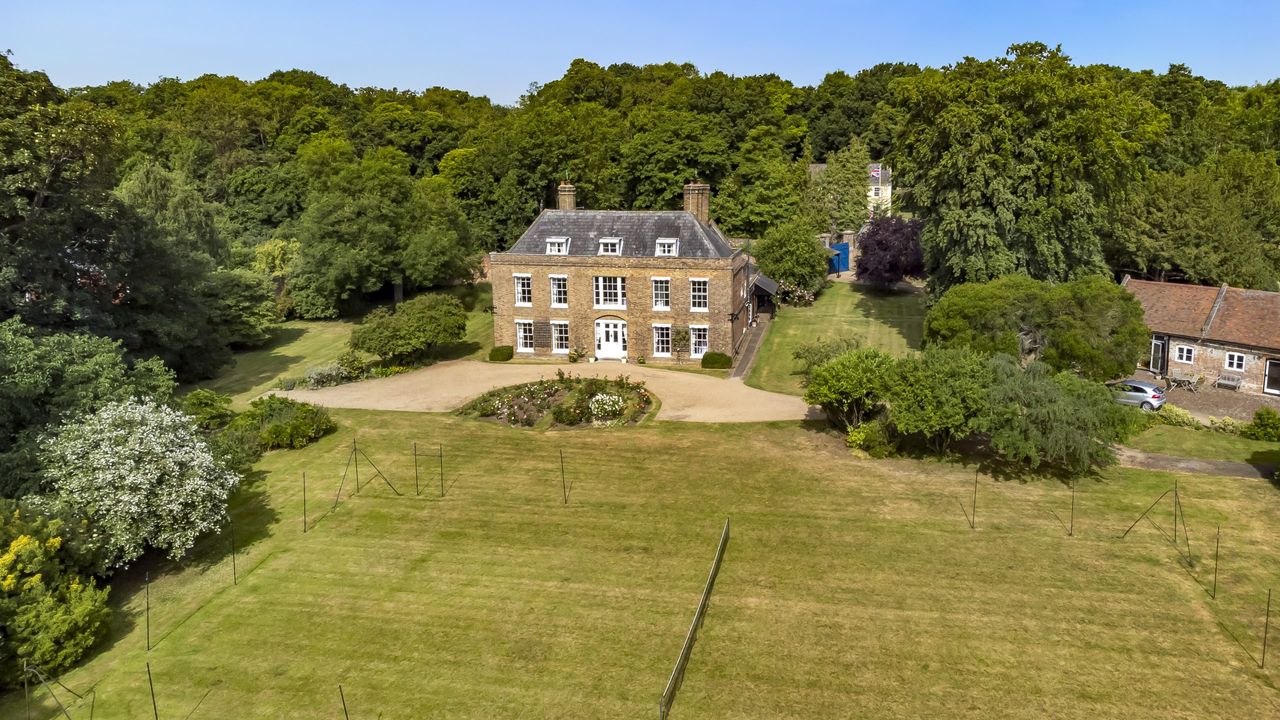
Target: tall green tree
1091,327
765,188
1011,163
839,192
791,254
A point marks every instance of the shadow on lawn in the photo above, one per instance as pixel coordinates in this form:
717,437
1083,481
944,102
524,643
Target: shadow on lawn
455,351
902,311
1267,463
268,362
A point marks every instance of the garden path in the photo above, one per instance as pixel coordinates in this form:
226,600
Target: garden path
1129,457
685,396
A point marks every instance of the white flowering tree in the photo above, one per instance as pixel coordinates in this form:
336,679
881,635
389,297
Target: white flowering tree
144,476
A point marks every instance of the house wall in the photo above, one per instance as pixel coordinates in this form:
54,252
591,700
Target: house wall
727,296
1210,361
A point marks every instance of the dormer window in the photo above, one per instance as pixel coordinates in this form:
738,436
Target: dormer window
666,247
610,246
558,246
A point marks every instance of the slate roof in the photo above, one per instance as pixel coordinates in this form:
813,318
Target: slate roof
1221,314
639,230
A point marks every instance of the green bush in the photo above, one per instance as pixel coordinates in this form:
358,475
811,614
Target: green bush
872,438
502,353
822,350
1171,414
211,410
717,361
1265,426
238,446
1228,425
325,376
284,423
51,608
408,334
352,364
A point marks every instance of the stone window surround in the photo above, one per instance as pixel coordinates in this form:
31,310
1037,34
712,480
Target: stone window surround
524,285
653,288
706,296
521,326
599,287
706,330
667,327
552,280
556,325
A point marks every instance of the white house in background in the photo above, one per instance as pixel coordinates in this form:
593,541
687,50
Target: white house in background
880,192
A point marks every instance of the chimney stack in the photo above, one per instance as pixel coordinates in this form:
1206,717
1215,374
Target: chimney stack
697,200
565,197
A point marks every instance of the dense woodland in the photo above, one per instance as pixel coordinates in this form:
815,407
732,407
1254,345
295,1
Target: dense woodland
183,217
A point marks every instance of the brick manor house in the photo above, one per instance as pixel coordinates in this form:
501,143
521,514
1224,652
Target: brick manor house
617,284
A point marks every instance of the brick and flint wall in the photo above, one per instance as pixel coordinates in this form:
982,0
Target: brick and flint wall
728,295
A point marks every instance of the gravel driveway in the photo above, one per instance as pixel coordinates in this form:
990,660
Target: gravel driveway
446,386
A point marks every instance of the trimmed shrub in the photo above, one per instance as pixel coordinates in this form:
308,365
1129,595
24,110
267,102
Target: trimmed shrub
1265,426
502,353
1171,414
717,361
284,423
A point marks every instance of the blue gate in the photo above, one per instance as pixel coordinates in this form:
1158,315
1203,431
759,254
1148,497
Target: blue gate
839,260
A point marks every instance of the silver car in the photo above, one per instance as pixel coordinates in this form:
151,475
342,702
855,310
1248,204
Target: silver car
1139,393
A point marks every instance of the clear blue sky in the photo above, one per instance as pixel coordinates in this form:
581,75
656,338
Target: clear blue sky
498,48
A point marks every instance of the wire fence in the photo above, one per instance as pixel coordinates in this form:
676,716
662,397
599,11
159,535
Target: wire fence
677,674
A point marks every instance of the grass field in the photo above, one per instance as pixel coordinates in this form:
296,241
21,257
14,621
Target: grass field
892,322
299,345
1206,445
850,588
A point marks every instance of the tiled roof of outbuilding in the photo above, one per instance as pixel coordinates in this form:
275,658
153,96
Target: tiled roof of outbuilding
639,230
1247,317
1242,317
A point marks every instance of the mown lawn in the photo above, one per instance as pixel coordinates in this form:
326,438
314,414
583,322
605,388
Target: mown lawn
890,321
299,345
850,588
1206,445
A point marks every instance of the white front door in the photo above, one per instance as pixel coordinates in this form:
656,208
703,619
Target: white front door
611,339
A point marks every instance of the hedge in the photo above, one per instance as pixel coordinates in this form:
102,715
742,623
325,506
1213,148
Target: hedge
717,361
502,353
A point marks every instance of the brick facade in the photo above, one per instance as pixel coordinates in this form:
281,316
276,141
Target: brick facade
726,318
1209,359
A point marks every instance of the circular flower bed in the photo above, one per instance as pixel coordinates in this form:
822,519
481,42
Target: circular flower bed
567,400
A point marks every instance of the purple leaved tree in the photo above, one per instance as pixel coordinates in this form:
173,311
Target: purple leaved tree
889,251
